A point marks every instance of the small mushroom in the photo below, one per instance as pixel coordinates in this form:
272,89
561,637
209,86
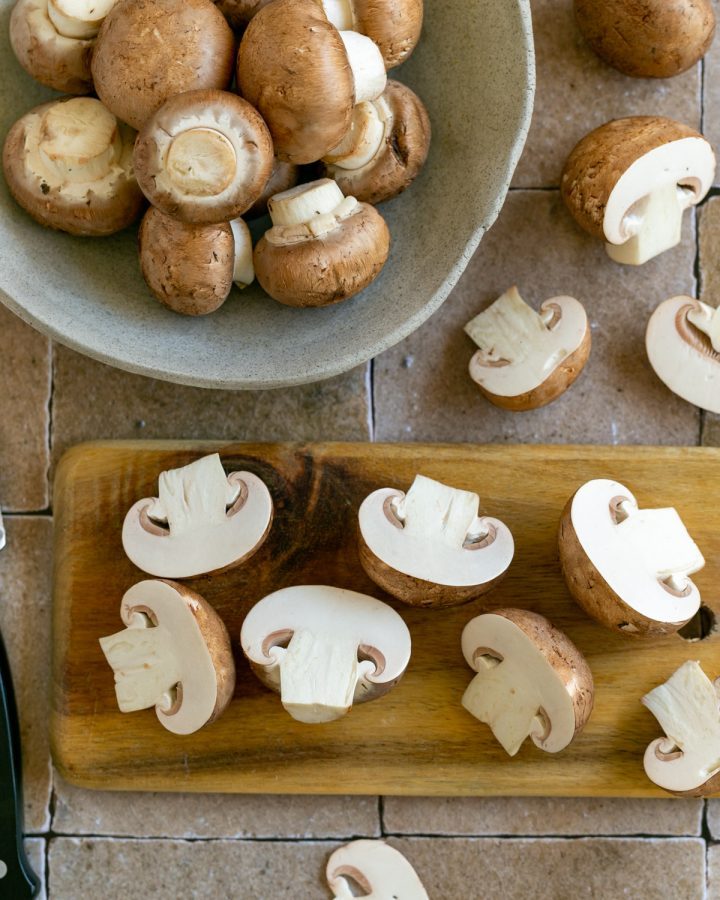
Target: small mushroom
394,25
630,181
430,547
69,164
628,567
284,176
647,38
687,760
202,521
204,157
532,680
304,76
527,359
379,870
325,648
148,52
191,268
174,655
385,147
323,248
683,346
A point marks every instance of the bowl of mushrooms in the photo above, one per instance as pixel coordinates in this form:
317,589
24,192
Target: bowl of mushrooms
250,194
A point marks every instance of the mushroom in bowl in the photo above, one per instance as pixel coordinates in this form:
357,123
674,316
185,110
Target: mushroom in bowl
379,870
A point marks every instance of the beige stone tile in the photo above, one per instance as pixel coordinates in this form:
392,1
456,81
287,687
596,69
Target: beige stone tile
709,236
713,873
577,92
422,387
78,811
713,818
25,566
24,445
711,95
541,816
35,851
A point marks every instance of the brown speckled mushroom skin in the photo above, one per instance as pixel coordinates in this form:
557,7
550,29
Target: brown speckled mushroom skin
601,158
647,38
239,12
394,25
149,50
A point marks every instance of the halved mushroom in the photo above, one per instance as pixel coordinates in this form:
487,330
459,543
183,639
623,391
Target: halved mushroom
323,248
683,346
630,181
687,760
430,547
385,147
304,76
284,176
148,52
202,521
325,648
628,567
650,38
380,871
532,680
527,359
69,164
174,655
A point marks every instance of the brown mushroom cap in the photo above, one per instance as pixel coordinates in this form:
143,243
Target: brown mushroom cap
394,25
647,38
284,176
150,50
239,12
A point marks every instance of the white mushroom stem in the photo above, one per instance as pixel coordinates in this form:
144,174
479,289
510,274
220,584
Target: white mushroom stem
243,269
367,64
434,511
78,18
201,162
308,210
707,319
655,224
365,137
340,14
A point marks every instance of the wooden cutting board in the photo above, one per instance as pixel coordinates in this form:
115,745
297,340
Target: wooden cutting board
417,739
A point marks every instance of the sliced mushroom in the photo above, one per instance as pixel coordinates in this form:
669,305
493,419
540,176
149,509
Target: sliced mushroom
687,760
532,680
69,164
627,567
385,147
683,346
324,648
148,52
527,359
201,521
323,248
284,176
174,655
204,157
304,76
79,18
430,547
630,181
380,871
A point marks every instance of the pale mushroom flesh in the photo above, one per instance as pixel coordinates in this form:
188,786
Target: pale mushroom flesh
380,871
308,211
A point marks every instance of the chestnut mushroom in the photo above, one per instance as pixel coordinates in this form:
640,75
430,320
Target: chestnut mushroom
394,25
174,655
628,568
68,163
532,680
527,359
146,52
202,521
430,547
378,869
630,181
323,248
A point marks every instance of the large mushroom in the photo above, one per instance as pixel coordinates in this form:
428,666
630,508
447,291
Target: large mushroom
323,248
202,521
532,680
148,52
630,181
430,547
69,164
528,359
628,568
325,648
378,869
174,655
385,147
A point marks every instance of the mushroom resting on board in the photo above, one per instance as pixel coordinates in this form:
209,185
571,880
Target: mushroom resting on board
380,871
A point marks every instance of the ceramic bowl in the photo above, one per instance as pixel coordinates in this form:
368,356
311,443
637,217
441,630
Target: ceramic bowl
475,71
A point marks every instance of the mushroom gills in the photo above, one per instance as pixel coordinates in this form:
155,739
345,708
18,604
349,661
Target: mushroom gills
655,223
243,268
308,210
370,124
78,18
706,319
367,65
432,510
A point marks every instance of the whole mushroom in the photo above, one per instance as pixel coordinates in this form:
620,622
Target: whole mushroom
381,871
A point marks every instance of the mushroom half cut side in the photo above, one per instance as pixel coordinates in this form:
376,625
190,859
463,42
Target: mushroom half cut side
628,567
528,359
630,181
531,680
325,648
687,760
174,654
430,547
201,521
683,346
380,871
